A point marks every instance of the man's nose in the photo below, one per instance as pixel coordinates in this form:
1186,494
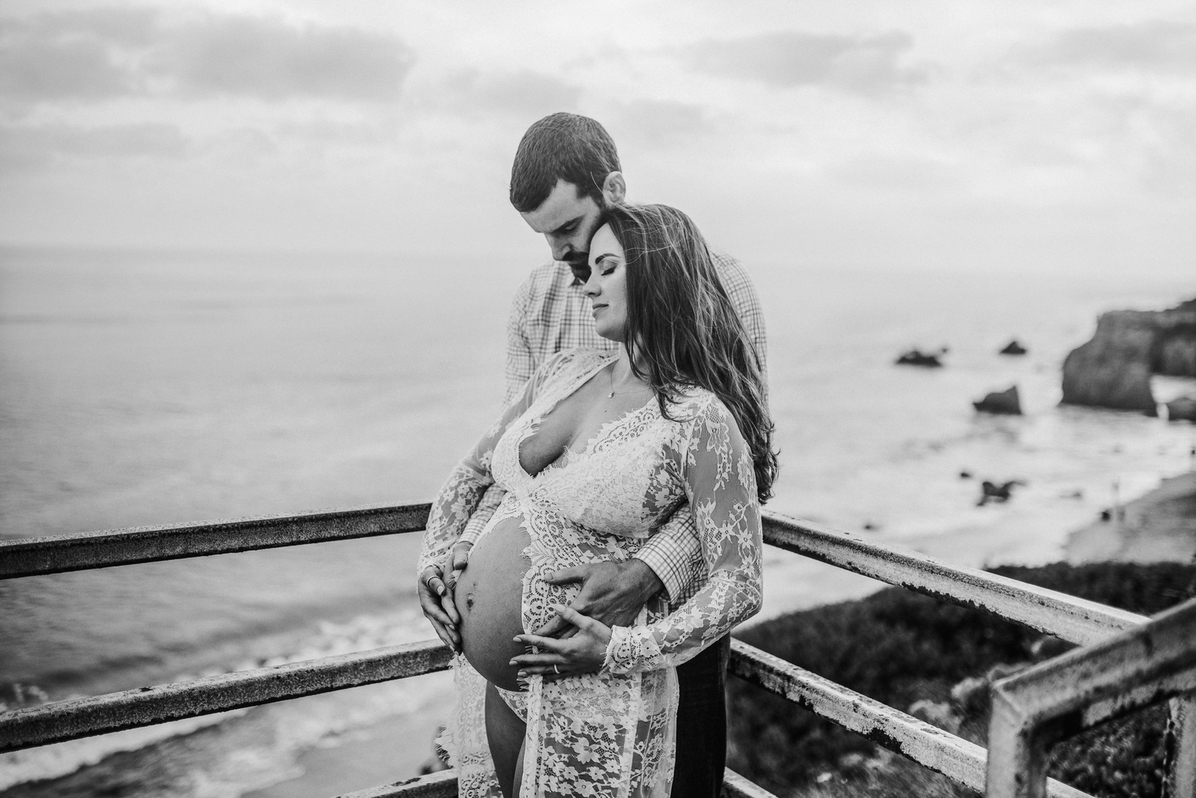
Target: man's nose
560,248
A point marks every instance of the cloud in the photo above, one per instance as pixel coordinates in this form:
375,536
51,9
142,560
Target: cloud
526,94
108,53
867,64
900,173
267,58
659,123
33,146
1154,45
70,55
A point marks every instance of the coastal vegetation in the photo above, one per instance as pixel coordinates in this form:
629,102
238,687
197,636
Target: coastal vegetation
936,660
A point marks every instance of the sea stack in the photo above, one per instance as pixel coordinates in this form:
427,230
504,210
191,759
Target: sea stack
1113,369
1182,409
1006,402
1013,348
916,357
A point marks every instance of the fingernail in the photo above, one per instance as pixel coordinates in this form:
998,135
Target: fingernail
521,675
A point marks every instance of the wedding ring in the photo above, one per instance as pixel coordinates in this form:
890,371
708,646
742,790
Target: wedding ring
556,669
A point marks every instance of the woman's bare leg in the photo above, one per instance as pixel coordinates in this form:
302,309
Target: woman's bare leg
519,770
504,732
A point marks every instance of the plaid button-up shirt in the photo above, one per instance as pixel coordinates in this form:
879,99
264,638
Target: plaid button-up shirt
551,313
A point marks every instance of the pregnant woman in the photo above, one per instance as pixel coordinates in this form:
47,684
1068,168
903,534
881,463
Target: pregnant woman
598,452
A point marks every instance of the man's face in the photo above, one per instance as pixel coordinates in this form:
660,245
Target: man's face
567,220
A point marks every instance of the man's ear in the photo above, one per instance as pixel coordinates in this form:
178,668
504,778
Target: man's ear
614,188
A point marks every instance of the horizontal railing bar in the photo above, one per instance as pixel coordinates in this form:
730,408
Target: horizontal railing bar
736,786
1067,617
442,784
83,717
1070,618
61,553
957,759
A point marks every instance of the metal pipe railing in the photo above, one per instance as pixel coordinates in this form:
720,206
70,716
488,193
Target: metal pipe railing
1062,697
444,785
59,721
1058,614
1067,617
433,785
84,550
957,759
1048,611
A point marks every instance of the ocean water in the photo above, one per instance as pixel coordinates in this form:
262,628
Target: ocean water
154,388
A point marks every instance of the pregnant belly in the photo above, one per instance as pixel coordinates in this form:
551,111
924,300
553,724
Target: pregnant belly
489,596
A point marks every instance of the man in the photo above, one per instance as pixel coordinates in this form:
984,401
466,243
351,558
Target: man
566,171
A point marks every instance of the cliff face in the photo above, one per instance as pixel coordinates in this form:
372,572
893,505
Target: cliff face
1113,369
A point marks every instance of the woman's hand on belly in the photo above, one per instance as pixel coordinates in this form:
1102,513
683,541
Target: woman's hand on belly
582,650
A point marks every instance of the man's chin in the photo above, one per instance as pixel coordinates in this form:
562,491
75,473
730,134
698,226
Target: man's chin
581,270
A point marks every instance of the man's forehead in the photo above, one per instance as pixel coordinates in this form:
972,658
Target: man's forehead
565,204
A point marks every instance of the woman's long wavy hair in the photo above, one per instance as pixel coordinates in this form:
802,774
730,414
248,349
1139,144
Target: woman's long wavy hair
683,331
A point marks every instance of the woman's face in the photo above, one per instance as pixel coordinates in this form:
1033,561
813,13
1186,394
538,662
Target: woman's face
607,286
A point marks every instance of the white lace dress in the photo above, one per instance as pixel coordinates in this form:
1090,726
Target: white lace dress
609,733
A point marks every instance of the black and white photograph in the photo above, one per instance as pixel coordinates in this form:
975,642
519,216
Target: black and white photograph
632,400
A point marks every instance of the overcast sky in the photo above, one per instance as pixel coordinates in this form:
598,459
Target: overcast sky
1021,134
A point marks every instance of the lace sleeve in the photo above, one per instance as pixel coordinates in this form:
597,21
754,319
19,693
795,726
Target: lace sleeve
720,482
456,502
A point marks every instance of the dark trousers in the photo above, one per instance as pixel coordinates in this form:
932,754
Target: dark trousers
702,723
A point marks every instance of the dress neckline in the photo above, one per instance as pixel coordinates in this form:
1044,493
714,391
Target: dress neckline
571,456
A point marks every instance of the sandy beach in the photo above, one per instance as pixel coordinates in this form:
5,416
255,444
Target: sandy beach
1160,526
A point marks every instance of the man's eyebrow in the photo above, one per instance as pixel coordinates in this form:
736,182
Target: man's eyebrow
561,227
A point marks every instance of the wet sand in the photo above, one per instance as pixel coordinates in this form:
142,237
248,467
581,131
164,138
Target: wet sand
1159,526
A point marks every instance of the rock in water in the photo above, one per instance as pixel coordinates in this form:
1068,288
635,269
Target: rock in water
1013,348
1004,402
991,492
1182,409
916,357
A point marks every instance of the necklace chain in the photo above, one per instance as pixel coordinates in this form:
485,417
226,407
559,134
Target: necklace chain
613,393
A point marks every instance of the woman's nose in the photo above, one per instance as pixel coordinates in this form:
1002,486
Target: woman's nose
591,287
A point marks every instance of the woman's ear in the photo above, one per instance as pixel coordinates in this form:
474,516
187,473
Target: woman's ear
614,188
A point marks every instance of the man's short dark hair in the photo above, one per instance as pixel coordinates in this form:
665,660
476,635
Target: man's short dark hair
566,147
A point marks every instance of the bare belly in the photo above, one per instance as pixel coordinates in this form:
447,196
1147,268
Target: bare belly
489,596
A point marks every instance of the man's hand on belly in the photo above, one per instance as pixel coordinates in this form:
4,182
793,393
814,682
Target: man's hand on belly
612,593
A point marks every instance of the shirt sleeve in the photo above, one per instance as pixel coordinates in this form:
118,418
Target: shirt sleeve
720,483
520,361
674,554
743,296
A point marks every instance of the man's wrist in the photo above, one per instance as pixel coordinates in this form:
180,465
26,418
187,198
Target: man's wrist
646,580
